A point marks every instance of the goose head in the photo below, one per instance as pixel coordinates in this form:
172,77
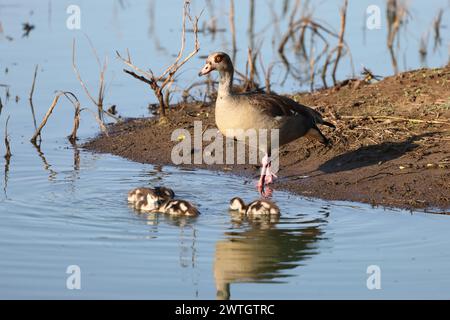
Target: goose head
237,204
219,61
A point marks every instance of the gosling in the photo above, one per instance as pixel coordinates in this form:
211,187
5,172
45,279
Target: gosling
255,208
161,193
152,203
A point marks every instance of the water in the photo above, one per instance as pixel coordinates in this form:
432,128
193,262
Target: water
66,206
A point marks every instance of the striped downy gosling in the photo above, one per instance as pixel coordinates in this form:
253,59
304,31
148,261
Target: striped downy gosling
177,208
148,202
170,206
255,208
161,193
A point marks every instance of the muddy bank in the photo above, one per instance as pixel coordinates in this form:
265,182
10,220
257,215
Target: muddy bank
391,146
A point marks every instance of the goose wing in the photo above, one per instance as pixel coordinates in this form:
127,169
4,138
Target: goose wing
275,105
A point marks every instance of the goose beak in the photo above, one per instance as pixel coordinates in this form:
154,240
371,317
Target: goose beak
206,69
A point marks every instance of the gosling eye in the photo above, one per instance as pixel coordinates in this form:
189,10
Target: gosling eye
218,58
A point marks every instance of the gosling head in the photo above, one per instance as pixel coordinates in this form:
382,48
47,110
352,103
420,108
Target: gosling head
164,193
237,204
219,61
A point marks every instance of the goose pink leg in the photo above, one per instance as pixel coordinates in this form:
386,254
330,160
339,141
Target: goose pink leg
267,177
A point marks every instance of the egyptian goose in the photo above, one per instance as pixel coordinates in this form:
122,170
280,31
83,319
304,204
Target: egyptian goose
160,199
171,207
243,111
178,208
158,193
255,208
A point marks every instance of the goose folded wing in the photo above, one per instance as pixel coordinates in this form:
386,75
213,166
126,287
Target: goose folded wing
275,106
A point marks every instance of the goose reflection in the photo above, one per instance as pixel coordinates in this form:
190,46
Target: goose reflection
262,250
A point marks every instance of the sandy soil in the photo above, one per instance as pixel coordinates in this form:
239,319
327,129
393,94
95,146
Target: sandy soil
391,146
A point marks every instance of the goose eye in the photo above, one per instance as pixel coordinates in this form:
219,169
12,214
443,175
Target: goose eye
218,59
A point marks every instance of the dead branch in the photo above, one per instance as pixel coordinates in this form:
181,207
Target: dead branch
341,39
76,118
233,31
267,74
437,22
44,121
101,87
396,14
73,99
97,118
161,83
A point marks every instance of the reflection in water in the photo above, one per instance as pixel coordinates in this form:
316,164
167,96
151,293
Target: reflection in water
76,158
187,239
51,173
5,178
262,250
7,157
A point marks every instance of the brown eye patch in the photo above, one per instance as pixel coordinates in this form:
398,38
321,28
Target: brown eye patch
218,58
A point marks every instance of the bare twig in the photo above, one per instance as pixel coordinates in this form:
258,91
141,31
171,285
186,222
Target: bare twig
97,118
341,39
267,74
101,88
251,24
396,13
437,29
44,121
162,82
76,118
74,100
233,31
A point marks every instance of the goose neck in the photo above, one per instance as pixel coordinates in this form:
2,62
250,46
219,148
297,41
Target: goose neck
225,83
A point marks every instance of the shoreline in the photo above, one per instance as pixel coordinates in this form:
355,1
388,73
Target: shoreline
391,147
